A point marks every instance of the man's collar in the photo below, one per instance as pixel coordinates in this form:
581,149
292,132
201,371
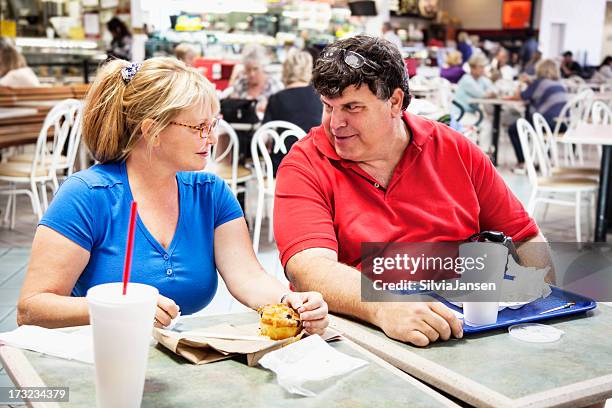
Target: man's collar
421,129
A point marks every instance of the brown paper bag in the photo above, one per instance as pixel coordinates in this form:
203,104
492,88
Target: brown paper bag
202,350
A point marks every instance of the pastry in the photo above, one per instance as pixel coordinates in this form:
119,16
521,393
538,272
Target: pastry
279,321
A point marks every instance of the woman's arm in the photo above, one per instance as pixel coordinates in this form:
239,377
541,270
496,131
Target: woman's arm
245,278
55,265
252,286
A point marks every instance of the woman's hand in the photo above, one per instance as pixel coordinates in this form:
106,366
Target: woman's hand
166,311
312,309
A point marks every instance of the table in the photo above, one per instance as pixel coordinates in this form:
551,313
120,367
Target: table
11,113
20,125
494,370
40,104
172,381
497,107
588,133
603,96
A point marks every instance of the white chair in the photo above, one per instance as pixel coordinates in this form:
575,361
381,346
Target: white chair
43,167
233,173
551,189
575,110
601,113
549,163
65,162
273,133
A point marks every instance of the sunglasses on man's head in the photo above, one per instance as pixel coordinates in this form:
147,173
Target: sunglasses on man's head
350,58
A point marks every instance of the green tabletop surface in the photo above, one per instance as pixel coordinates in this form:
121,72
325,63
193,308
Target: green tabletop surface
494,369
171,381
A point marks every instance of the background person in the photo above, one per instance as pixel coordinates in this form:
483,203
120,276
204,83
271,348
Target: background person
186,53
545,95
454,70
569,67
298,103
253,82
121,44
14,70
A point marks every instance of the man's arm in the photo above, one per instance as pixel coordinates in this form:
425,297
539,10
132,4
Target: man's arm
318,269
536,252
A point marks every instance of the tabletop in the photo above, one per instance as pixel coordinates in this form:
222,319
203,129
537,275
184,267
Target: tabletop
588,133
36,104
172,381
603,96
499,101
10,113
493,369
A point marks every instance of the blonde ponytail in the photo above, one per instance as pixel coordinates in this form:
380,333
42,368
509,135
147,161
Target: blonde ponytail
115,111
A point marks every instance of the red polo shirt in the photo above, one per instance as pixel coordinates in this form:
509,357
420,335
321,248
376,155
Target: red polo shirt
443,189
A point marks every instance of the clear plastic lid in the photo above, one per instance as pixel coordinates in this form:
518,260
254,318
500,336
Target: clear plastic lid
535,333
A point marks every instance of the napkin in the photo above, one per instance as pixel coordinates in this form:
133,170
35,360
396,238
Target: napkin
527,283
311,363
194,346
74,343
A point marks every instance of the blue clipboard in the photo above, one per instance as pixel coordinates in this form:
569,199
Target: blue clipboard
530,312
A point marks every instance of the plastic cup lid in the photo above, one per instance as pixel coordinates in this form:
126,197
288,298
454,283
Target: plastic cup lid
535,333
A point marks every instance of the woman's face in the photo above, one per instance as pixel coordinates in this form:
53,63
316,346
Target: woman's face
254,73
183,147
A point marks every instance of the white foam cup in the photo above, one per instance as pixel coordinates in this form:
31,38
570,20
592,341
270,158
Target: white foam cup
122,326
481,307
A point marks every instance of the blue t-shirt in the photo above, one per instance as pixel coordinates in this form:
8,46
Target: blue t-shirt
92,208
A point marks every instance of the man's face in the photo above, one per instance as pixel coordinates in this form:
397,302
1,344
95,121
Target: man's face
567,59
358,124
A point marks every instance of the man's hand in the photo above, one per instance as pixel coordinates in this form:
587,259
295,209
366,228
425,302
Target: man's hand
418,323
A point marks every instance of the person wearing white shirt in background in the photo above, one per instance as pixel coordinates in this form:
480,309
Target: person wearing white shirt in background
604,71
500,67
14,71
389,35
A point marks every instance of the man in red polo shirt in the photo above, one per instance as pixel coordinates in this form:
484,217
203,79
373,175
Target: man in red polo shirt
374,173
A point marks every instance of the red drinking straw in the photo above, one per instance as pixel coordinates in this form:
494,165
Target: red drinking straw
127,266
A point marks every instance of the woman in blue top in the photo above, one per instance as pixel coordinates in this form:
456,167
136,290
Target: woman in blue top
150,126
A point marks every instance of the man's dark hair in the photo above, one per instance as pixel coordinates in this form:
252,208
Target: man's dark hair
332,76
568,54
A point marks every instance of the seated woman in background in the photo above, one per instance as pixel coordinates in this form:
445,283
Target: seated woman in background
298,103
253,82
604,71
186,53
501,66
454,71
151,127
474,84
545,95
14,71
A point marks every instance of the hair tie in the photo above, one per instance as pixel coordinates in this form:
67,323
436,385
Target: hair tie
128,72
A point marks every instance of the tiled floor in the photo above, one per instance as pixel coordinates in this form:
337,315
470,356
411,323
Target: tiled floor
15,247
